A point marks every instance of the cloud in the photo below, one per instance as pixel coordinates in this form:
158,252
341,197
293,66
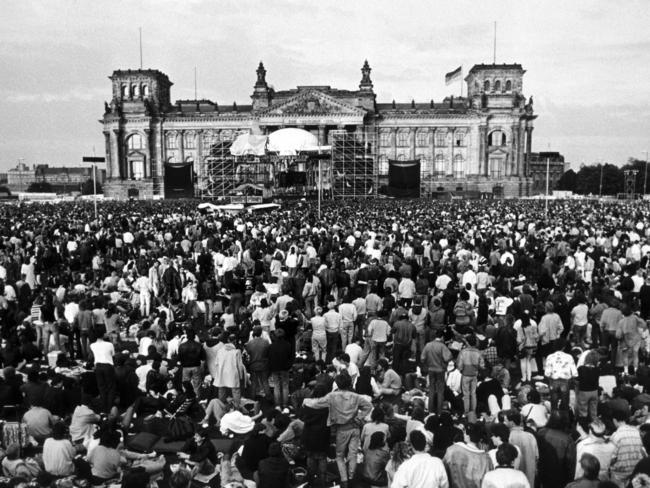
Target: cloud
73,94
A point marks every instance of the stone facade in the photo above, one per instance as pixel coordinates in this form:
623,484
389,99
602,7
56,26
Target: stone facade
476,143
557,166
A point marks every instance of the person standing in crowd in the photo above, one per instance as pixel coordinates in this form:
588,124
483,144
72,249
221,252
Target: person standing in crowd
346,410
421,469
466,462
103,353
435,357
258,362
470,362
403,333
628,448
280,361
594,444
560,368
348,314
191,357
504,475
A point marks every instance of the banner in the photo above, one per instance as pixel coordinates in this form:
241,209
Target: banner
404,178
453,75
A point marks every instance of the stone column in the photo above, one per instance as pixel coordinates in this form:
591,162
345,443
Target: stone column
413,141
109,158
148,168
529,144
450,131
118,162
393,138
515,151
181,135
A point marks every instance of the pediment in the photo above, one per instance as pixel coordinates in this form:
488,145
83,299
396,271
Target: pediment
312,102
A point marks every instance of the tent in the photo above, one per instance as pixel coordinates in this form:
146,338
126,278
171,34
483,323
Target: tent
285,142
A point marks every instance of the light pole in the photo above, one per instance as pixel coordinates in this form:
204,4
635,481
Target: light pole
645,179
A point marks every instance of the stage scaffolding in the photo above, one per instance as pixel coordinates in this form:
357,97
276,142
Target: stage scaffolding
217,173
353,168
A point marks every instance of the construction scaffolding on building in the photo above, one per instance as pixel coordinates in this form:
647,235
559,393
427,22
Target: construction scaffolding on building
353,164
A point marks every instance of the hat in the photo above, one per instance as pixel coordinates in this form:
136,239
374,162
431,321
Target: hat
597,427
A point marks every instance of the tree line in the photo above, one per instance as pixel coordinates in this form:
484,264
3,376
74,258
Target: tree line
587,180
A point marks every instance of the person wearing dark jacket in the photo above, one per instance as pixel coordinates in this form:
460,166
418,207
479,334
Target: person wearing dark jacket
280,361
191,356
274,470
315,438
255,449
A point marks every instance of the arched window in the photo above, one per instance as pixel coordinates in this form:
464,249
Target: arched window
441,138
460,138
170,141
145,90
497,86
459,166
425,165
135,89
189,141
440,165
402,138
171,160
383,164
508,85
384,139
134,142
125,91
486,86
422,138
497,138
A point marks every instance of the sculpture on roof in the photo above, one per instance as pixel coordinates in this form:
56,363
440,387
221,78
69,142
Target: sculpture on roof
366,82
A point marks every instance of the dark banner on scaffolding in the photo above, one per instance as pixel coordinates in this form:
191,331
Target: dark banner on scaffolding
404,178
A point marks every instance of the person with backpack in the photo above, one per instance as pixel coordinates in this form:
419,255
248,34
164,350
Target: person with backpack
463,312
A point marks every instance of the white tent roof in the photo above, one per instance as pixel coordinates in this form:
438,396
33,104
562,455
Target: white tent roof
288,142
248,144
285,142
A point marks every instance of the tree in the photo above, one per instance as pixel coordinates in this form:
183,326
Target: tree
87,188
568,181
40,187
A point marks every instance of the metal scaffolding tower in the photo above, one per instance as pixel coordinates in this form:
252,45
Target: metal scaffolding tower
218,171
354,168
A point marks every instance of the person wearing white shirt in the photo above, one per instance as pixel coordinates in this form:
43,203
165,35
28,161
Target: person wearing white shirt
103,353
354,350
143,286
421,470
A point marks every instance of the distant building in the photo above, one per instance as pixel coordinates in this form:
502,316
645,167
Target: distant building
67,179
63,179
537,165
20,177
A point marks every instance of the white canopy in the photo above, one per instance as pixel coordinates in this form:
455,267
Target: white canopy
285,142
248,144
288,142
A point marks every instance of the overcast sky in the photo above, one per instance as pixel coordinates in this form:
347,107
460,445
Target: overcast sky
587,62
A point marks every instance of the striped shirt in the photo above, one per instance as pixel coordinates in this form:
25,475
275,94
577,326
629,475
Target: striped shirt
628,451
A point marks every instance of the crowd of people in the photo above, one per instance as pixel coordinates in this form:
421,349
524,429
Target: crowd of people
400,344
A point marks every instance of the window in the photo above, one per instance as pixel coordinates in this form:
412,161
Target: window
134,142
459,166
171,160
383,164
145,90
209,140
137,169
486,86
384,139
508,85
401,157
170,141
125,91
425,165
440,165
402,138
497,86
441,138
189,141
135,89
422,138
460,138
496,167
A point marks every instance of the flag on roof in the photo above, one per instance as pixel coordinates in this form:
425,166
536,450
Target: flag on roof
453,75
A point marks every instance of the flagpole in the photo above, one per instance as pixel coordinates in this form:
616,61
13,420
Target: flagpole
494,52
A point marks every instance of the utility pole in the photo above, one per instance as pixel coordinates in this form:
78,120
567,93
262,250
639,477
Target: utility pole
602,167
645,179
